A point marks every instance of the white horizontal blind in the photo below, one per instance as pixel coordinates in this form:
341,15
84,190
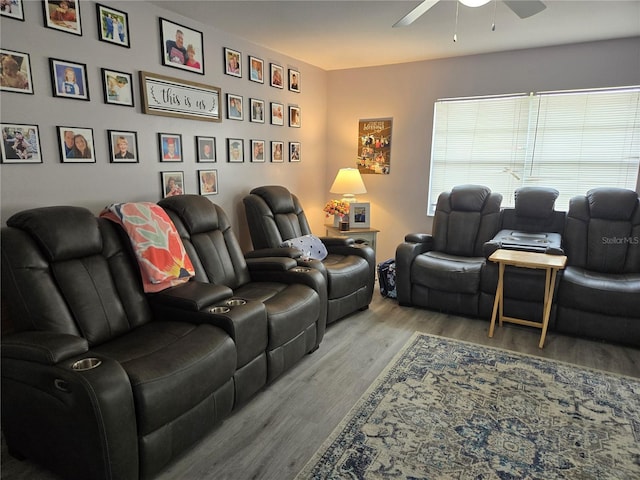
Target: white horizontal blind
571,141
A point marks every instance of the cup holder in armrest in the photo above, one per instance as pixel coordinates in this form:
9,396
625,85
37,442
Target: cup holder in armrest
234,302
86,364
219,309
301,269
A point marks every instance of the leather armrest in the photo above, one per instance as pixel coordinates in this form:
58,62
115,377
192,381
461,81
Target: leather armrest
405,255
419,238
277,264
274,252
489,247
337,241
43,347
191,296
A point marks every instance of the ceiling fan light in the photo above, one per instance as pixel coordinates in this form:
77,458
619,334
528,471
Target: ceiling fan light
474,3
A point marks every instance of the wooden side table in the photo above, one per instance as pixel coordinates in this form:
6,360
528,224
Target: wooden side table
550,263
367,236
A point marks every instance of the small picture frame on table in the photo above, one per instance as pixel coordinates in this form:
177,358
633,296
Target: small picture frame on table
256,69
69,79
208,181
123,146
294,80
12,9
277,113
232,62
117,87
234,107
257,110
170,145
63,15
277,151
360,215
76,145
206,148
182,47
16,72
294,151
113,26
277,76
257,151
172,183
235,150
20,143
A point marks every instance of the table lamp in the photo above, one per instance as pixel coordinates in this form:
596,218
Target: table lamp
348,182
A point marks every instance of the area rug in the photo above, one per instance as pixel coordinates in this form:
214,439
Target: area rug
445,409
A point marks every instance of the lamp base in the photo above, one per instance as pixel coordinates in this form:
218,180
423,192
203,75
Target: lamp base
349,198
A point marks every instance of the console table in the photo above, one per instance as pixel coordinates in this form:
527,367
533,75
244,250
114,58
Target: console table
360,235
550,263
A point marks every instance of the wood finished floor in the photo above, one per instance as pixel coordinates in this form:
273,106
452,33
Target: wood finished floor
275,433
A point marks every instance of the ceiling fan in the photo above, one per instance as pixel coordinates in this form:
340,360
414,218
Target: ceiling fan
522,8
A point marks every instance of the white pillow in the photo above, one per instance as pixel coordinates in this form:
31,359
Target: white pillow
310,245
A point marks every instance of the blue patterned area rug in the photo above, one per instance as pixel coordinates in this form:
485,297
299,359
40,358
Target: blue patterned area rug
445,409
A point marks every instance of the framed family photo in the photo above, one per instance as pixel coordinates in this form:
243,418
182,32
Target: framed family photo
277,113
232,62
294,151
256,69
234,107
206,148
172,183
277,151
182,47
235,150
257,110
257,151
69,79
208,181
20,143
294,116
170,147
277,75
15,72
294,80
360,215
123,146
12,9
113,26
63,15
118,87
76,145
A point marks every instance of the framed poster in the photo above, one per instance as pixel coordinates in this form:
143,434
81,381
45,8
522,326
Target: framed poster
257,151
20,143
117,87
208,181
182,47
294,151
294,116
15,72
123,146
232,62
277,113
76,145
277,74
234,107
277,151
294,80
235,150
170,147
69,79
256,69
62,15
257,110
12,9
206,148
172,183
374,146
113,26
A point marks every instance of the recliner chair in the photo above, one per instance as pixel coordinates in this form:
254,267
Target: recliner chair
441,271
275,215
75,293
599,293
295,298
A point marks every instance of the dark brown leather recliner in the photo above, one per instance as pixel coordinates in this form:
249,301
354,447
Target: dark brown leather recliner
74,292
275,215
295,298
599,292
441,271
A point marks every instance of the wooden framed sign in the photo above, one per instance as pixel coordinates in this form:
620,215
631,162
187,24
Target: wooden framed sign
173,97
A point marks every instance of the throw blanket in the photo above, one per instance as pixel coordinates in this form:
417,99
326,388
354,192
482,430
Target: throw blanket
157,245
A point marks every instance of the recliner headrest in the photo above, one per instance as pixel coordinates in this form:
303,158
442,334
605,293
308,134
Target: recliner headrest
278,198
64,233
197,213
535,202
612,203
469,198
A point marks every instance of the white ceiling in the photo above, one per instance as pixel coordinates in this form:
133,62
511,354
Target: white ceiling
347,34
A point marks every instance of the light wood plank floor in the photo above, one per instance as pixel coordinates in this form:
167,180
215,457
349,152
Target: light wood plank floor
274,434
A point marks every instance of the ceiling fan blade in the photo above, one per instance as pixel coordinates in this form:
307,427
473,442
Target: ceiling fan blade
416,13
525,8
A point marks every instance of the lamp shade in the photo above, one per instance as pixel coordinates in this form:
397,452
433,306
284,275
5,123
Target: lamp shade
474,3
348,182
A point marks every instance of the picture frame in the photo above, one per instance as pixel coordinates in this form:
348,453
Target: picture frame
172,183
123,146
277,76
117,87
20,143
277,113
294,80
206,148
235,150
208,182
170,145
277,151
16,72
257,110
257,151
234,107
359,215
113,26
63,15
232,62
256,69
76,144
294,152
182,47
69,79
13,9
294,116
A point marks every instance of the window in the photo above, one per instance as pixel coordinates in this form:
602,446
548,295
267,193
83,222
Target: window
571,141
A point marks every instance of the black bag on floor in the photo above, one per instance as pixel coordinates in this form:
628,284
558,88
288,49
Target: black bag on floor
387,278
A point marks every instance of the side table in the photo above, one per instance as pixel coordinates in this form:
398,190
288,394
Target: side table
550,263
367,236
